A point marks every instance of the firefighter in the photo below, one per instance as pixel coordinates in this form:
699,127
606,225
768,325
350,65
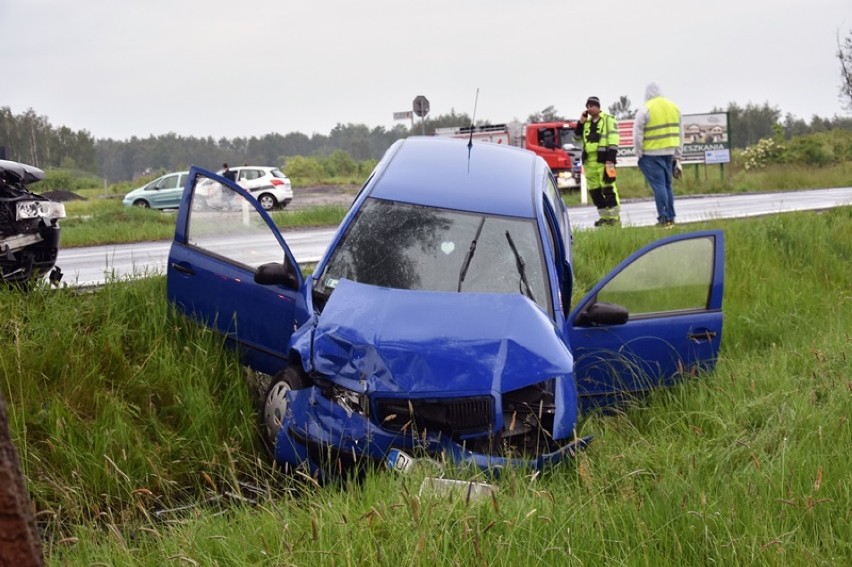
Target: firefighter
599,132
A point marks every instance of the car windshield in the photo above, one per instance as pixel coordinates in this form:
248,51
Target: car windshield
404,246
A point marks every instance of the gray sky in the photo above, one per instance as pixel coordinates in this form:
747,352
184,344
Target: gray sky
122,68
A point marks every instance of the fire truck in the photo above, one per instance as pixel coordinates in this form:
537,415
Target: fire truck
554,141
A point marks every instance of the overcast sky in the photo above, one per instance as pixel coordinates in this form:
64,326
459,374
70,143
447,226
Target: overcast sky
122,68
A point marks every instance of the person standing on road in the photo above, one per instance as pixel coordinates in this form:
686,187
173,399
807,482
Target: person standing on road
599,133
230,199
658,139
228,173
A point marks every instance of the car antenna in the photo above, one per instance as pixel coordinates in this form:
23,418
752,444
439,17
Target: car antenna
472,123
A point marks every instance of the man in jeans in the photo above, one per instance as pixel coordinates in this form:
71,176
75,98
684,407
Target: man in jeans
658,140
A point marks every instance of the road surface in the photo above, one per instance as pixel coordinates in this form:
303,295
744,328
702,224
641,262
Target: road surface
89,266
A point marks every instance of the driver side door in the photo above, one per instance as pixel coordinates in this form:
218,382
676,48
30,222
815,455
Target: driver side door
211,272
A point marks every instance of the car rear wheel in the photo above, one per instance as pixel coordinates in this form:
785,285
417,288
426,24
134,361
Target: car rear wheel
276,404
267,201
142,203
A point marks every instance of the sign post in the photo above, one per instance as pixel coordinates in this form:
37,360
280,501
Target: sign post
420,107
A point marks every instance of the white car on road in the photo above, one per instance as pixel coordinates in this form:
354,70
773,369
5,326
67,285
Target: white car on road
269,185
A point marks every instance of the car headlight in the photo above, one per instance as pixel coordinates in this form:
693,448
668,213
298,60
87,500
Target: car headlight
351,401
39,209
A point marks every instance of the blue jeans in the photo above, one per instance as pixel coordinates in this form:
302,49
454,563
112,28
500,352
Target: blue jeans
658,172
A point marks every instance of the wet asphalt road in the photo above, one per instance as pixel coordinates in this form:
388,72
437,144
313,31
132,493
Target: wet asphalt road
90,266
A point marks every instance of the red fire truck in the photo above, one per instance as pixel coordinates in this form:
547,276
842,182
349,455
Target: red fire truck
554,141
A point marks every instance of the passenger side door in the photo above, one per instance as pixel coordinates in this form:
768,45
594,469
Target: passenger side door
211,272
653,320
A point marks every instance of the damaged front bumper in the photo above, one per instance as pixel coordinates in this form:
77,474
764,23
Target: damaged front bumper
323,435
26,256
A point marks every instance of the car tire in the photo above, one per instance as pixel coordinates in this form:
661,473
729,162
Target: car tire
141,203
275,404
267,201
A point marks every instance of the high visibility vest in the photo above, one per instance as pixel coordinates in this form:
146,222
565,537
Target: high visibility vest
608,130
662,131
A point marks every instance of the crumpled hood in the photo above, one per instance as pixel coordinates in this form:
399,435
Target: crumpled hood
372,339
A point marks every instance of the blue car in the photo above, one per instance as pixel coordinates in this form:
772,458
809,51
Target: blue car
162,193
439,320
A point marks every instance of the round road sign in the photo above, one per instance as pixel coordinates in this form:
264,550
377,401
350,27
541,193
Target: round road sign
420,106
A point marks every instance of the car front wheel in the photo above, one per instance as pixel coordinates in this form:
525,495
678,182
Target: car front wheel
267,201
276,404
141,203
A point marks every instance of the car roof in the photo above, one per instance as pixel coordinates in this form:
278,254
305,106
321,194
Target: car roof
252,167
444,172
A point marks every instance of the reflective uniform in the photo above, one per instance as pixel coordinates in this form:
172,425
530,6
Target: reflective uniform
600,145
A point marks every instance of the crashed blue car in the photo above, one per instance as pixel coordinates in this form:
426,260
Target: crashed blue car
439,320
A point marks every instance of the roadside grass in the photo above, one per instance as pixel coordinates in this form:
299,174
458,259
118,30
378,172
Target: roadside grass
119,407
107,222
102,219
715,180
322,215
104,222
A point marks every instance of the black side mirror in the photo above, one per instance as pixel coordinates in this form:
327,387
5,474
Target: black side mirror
274,273
601,313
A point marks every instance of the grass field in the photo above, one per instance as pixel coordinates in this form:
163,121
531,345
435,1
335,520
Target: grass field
121,409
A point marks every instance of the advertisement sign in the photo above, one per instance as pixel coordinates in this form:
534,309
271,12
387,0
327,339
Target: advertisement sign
703,135
717,156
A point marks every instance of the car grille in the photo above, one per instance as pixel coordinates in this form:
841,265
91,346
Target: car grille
450,416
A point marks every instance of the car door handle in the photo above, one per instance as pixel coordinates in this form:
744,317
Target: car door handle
703,335
183,269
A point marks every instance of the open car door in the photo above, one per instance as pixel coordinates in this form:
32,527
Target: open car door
223,241
655,318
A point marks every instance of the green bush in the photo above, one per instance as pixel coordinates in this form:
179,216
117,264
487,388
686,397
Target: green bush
66,180
339,164
820,149
764,152
304,169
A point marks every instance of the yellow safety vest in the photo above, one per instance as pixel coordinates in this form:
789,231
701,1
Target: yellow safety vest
608,130
662,131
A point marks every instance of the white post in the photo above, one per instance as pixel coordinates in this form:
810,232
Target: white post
584,191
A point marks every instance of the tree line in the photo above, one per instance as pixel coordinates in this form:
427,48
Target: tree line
32,139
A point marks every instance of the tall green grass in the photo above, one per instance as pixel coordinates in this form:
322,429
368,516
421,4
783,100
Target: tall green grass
119,406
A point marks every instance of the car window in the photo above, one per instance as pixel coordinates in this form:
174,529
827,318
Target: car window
676,277
169,182
182,182
406,246
250,174
224,224
552,194
278,173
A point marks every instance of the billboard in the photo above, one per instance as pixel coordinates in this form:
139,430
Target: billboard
706,139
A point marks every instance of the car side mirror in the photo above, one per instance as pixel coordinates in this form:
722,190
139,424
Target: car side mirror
601,313
275,273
